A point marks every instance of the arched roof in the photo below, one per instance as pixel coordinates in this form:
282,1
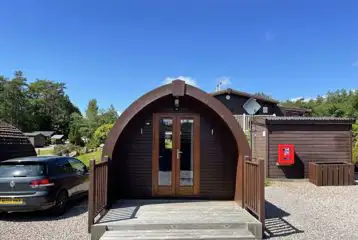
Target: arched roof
177,88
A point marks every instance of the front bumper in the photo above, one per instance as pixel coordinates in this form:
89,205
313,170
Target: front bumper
37,201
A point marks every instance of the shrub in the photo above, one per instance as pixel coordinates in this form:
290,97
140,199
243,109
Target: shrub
65,149
100,135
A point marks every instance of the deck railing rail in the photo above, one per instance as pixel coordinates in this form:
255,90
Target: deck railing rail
97,194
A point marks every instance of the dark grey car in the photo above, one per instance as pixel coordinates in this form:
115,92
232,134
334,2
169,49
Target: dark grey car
39,183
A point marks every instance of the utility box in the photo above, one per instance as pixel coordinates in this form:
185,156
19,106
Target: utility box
286,155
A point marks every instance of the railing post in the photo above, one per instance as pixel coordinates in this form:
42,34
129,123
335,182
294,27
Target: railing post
261,188
91,194
106,182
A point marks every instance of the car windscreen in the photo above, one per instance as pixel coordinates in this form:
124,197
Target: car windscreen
21,169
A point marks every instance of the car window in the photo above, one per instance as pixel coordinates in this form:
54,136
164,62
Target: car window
77,165
21,169
62,166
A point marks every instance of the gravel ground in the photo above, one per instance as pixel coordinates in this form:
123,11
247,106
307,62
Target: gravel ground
294,210
300,210
41,226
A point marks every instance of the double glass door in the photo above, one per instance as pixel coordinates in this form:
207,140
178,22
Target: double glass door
176,154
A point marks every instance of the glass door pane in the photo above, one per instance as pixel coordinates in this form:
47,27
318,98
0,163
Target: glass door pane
186,152
165,151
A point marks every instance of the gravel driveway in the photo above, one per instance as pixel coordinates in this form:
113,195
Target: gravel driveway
294,210
41,226
300,210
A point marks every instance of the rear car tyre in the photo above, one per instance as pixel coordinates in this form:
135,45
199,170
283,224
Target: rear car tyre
61,203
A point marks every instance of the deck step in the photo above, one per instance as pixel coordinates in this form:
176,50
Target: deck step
179,234
170,226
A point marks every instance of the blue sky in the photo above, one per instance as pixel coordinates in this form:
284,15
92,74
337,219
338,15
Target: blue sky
115,51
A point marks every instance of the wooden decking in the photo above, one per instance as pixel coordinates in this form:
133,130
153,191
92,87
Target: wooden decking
176,219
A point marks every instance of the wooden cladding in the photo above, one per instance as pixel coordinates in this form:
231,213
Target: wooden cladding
331,173
254,182
313,140
97,195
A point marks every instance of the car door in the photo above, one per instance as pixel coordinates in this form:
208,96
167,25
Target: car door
82,175
64,176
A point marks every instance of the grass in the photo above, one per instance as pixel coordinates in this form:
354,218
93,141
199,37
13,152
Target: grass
85,158
45,152
267,183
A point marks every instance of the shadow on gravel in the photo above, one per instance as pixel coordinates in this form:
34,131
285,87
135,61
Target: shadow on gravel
275,225
74,208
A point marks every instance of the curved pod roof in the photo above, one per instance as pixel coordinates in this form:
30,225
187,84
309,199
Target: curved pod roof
177,88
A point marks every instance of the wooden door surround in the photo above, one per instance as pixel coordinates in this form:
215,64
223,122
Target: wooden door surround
176,154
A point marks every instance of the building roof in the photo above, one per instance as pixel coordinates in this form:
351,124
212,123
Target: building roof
304,120
32,134
13,143
57,136
45,133
244,94
298,109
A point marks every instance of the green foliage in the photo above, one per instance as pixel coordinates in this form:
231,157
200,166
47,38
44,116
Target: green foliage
45,152
341,103
267,183
85,158
65,149
41,105
108,116
101,134
262,94
355,146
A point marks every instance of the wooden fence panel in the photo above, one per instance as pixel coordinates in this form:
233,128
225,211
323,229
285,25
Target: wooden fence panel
254,197
97,194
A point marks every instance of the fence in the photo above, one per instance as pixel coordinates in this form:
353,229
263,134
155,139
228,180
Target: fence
331,173
245,121
254,180
97,195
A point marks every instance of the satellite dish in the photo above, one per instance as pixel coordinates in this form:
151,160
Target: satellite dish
251,106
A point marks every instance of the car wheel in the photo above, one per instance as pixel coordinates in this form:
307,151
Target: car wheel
61,203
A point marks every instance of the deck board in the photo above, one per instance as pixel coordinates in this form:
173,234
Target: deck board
175,211
181,215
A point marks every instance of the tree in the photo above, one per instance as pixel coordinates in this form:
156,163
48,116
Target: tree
262,94
41,105
101,134
51,108
109,116
92,117
78,129
14,103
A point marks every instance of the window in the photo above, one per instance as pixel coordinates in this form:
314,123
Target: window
62,166
265,109
77,165
22,169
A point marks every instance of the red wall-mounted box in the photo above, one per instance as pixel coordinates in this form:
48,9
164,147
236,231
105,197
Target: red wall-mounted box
286,154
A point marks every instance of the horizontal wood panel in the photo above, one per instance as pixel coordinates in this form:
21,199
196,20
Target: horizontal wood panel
133,170
312,144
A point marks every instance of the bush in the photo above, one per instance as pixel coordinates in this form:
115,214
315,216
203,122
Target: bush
65,149
355,153
100,135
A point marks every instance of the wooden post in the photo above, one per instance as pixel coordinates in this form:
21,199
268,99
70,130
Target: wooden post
262,192
91,194
240,183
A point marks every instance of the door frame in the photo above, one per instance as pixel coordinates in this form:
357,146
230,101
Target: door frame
175,189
